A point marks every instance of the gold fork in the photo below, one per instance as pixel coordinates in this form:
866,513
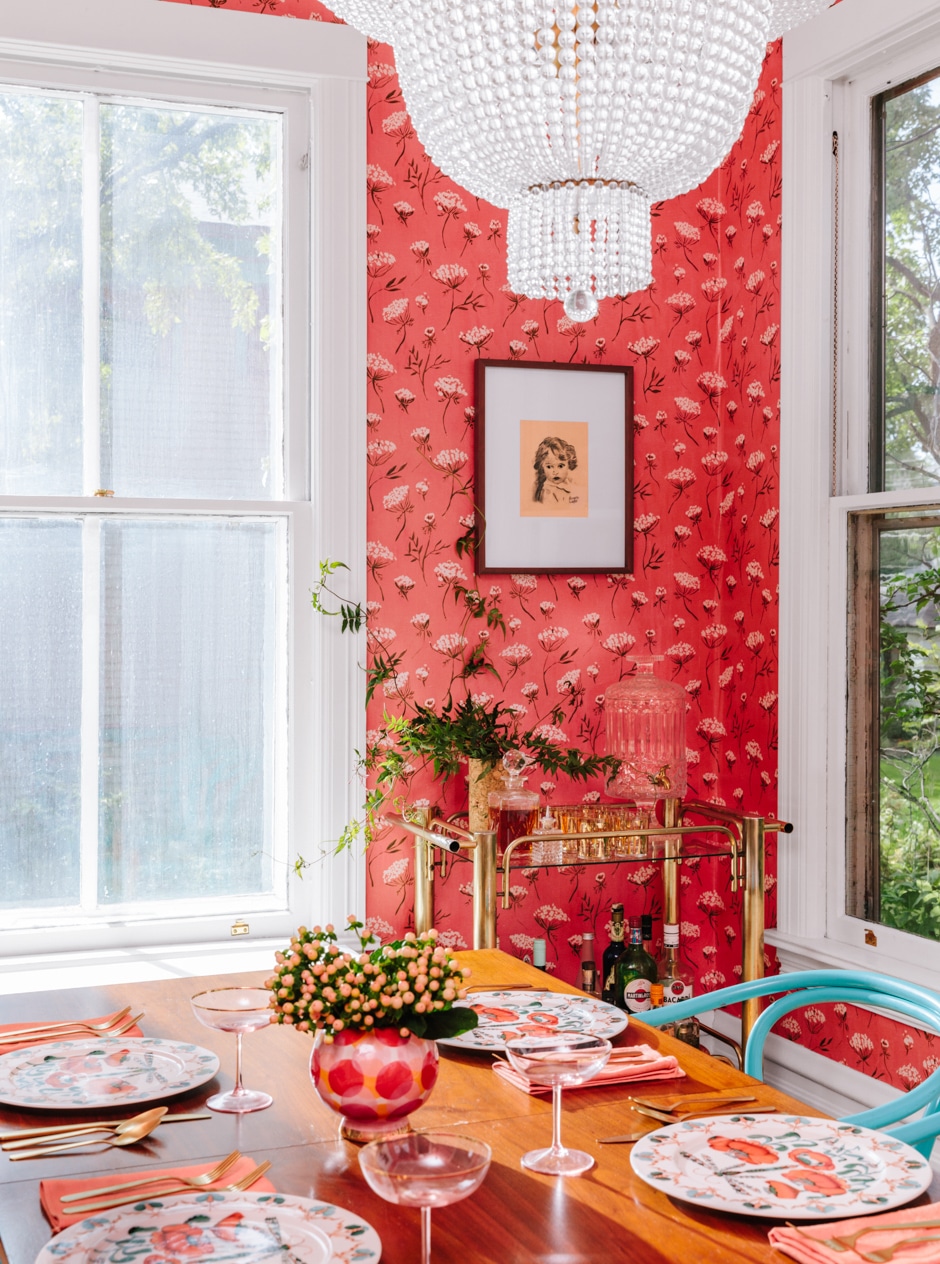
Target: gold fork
102,1028
113,1033
881,1255
106,1204
196,1182
847,1242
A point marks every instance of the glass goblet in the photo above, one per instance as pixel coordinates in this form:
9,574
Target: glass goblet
237,1009
425,1169
564,1059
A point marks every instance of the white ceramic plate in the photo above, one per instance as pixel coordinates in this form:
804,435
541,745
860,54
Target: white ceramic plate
788,1166
78,1074
216,1228
506,1015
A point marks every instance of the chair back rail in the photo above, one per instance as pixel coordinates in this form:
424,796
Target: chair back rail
854,987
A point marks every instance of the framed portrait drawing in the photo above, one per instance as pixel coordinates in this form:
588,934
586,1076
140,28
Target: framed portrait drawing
554,467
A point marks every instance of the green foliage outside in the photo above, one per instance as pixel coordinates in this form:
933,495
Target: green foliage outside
910,734
912,288
909,790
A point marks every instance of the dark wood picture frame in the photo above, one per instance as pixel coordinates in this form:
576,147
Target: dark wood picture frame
554,468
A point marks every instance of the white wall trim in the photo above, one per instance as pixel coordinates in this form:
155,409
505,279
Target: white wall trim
143,36
335,886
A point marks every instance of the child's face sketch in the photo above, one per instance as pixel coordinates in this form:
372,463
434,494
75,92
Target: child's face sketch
555,468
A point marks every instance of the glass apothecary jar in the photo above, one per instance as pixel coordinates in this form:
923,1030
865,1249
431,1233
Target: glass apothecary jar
645,718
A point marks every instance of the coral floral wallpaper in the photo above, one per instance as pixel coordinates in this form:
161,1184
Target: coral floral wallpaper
703,343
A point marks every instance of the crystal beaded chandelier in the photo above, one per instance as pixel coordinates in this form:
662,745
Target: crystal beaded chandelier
578,115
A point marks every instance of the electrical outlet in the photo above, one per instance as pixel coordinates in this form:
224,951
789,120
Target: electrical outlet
239,927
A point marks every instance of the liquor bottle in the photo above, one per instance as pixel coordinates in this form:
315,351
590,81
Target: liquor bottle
636,972
514,810
611,953
677,983
588,964
646,924
656,995
549,851
538,953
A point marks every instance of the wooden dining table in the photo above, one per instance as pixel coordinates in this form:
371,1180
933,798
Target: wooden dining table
516,1217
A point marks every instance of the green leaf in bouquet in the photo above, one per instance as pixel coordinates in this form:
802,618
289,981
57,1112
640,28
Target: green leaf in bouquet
444,1024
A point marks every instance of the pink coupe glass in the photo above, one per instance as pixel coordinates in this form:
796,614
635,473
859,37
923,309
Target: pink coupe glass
237,1009
425,1169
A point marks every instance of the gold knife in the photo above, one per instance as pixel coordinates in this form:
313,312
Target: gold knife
676,1102
664,1117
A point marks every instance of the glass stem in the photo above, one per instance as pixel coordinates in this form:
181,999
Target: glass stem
557,1147
425,1235
239,1087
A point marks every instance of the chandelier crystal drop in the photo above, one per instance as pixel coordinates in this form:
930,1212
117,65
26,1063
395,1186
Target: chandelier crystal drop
577,116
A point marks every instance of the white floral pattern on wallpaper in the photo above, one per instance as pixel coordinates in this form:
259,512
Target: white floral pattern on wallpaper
703,341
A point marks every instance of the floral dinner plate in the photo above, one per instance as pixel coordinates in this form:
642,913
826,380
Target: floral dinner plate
505,1015
77,1074
788,1166
218,1228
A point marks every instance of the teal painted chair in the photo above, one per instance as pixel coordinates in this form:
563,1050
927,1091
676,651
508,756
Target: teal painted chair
853,987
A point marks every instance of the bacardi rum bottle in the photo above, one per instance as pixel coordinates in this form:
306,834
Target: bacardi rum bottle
677,983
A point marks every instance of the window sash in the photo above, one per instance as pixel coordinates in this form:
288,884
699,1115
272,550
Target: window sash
292,525
316,74
833,66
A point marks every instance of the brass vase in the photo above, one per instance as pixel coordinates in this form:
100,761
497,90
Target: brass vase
482,780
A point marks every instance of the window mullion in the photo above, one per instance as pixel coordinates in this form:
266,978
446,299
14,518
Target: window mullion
91,707
91,307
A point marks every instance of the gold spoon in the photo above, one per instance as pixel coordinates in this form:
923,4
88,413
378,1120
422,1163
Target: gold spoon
65,1132
125,1134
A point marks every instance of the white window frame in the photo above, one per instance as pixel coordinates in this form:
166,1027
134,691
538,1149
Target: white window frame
833,66
148,47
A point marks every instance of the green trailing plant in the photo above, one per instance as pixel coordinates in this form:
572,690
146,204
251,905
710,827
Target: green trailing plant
467,730
444,738
352,614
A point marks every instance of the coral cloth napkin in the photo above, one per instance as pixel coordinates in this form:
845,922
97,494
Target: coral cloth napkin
651,1066
13,1027
58,1215
886,1232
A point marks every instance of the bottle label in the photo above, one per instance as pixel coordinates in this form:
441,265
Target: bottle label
636,995
674,990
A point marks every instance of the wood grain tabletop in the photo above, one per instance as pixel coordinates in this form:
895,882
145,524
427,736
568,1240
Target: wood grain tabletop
516,1217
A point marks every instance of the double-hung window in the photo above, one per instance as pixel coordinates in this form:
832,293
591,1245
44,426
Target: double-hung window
170,393
860,511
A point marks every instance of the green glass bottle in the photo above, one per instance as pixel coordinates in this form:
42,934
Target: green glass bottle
635,973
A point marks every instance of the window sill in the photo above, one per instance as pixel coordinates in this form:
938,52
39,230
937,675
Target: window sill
53,971
796,953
